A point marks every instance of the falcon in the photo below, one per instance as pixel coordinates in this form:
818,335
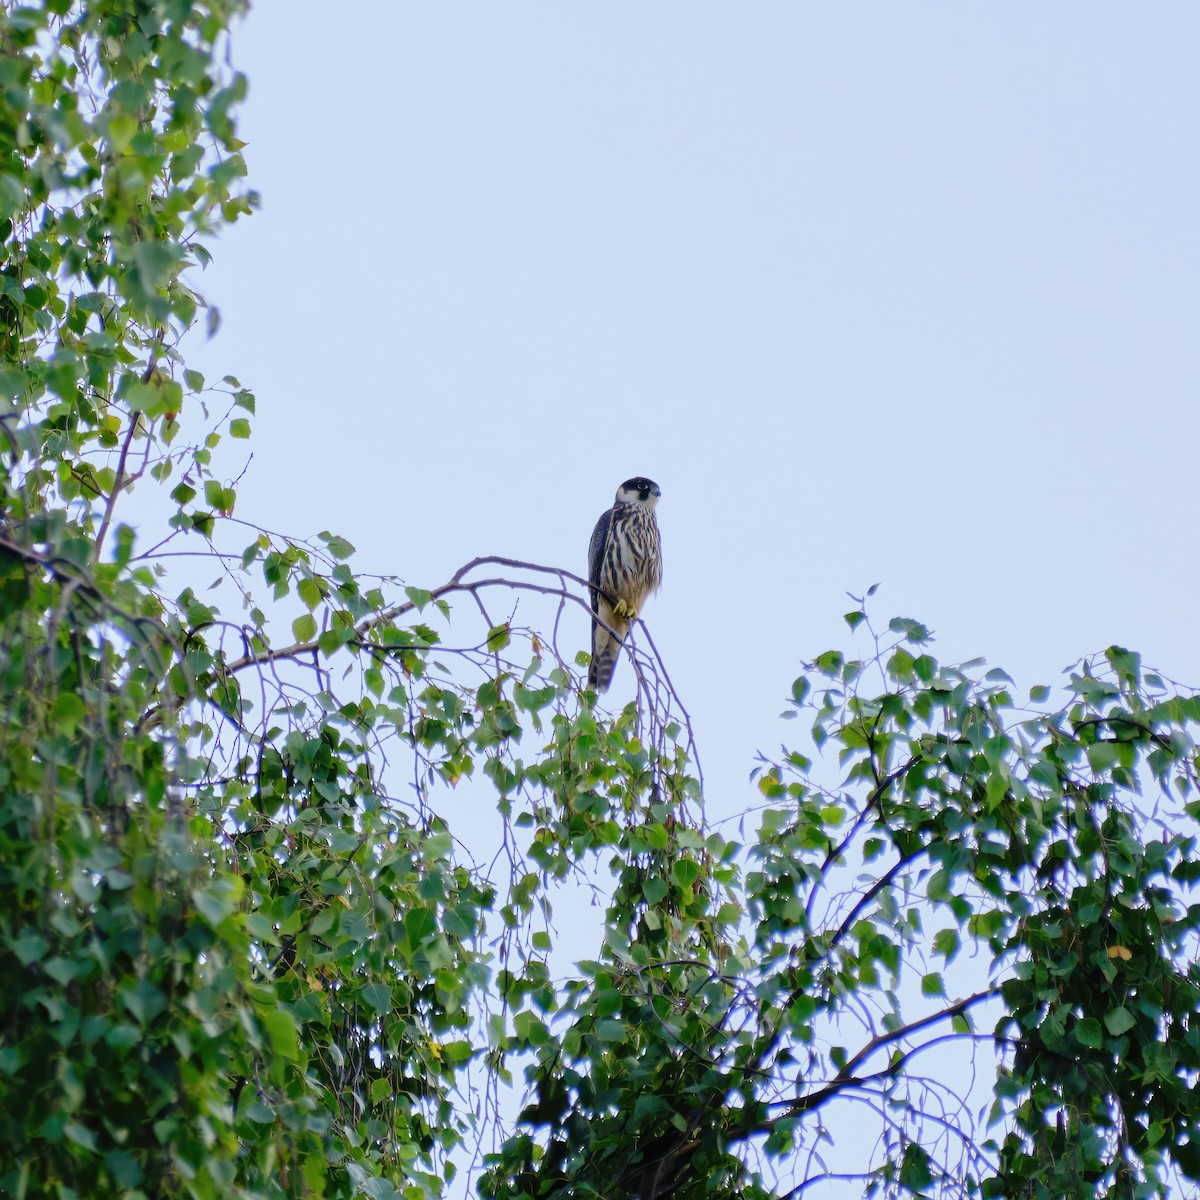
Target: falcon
624,567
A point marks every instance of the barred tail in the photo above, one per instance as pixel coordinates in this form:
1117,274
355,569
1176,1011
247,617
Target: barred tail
605,649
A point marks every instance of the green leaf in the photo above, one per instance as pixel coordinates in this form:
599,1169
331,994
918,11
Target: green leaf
685,872
419,924
655,890
61,970
281,1030
309,591
337,546
1101,756
915,1171
932,985
829,663
122,1037
219,900
143,1001
947,943
458,1053
530,1029
80,1135
30,948
69,711
378,996
913,631
610,1030
1118,1021
304,628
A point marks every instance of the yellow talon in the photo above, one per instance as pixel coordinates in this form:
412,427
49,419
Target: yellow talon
623,610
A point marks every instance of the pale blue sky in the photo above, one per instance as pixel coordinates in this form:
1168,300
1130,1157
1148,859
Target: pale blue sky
895,293
877,293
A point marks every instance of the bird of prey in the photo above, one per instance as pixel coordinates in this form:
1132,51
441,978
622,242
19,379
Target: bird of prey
624,567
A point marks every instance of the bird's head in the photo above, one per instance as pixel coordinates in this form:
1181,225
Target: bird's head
639,490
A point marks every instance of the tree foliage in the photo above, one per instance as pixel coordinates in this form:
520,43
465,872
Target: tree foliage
950,949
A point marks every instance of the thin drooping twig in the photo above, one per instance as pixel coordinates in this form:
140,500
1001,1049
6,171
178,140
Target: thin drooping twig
456,583
835,852
660,670
121,478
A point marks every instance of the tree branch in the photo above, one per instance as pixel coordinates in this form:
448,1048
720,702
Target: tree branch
846,1078
895,1035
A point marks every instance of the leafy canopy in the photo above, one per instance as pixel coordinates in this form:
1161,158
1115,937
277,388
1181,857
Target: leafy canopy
951,949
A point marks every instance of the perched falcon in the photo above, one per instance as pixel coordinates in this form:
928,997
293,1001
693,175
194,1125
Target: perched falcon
624,567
